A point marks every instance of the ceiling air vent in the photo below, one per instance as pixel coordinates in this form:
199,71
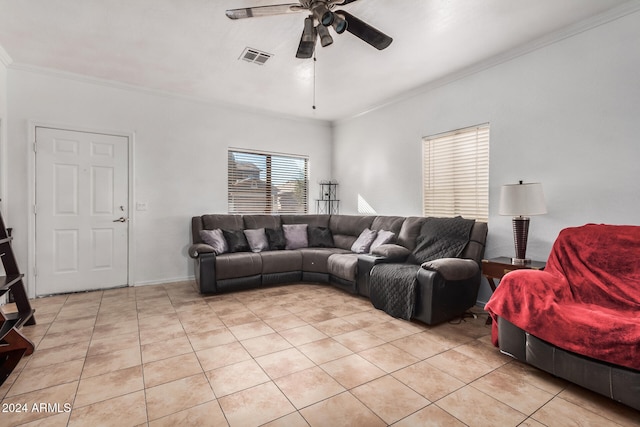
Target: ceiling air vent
255,56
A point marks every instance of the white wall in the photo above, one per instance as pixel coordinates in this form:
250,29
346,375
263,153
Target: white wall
180,156
5,60
566,115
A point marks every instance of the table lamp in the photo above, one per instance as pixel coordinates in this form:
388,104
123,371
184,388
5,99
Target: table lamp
520,201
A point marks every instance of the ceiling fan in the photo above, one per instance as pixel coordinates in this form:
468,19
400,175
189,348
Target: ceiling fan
317,24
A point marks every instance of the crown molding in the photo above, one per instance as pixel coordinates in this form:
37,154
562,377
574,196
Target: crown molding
628,8
114,84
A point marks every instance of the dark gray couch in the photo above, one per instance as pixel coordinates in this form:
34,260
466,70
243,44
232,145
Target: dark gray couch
442,293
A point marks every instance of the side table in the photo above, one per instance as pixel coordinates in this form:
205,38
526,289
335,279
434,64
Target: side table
496,268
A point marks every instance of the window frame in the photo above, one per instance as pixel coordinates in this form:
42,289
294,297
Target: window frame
271,205
462,187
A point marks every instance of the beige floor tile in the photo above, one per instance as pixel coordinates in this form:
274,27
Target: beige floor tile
335,326
284,362
388,357
534,376
291,420
325,350
265,344
222,355
255,406
111,330
238,318
520,395
420,346
562,413
205,415
209,339
117,412
475,408
112,344
358,340
282,323
250,330
176,396
51,340
239,376
270,311
342,410
388,331
316,315
485,352
431,416
390,399
64,325
109,362
165,349
608,408
158,321
59,420
164,333
307,387
352,371
109,385
427,380
463,367
46,376
173,368
60,395
302,335
63,353
365,319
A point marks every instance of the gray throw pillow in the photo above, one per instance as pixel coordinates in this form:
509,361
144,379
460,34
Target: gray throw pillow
215,239
296,236
363,242
257,239
382,238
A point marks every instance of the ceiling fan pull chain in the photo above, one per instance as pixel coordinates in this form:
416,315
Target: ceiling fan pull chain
314,81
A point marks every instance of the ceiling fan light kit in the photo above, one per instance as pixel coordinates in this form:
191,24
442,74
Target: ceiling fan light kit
322,13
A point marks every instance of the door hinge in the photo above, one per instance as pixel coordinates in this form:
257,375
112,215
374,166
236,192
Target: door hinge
35,271
35,146
35,209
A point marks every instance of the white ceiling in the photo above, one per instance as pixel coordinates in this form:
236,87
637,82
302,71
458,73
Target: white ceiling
190,48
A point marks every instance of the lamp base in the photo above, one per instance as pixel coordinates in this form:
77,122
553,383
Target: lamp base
520,261
520,234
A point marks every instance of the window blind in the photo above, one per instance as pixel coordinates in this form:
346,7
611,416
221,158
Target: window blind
267,183
456,173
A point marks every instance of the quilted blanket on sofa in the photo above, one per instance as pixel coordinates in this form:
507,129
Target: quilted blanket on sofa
587,299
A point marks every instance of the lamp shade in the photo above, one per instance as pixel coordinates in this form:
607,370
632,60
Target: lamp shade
522,199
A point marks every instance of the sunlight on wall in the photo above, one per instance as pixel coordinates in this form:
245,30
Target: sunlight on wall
364,207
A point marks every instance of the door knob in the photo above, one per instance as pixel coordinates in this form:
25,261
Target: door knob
121,219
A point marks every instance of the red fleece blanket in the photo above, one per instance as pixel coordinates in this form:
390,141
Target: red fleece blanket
587,299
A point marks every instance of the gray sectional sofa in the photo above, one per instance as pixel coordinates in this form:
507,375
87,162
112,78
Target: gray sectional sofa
446,288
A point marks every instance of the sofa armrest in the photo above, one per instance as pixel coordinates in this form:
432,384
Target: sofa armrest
200,248
453,269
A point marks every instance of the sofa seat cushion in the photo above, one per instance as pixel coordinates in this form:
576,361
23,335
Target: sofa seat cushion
281,261
316,259
344,266
239,264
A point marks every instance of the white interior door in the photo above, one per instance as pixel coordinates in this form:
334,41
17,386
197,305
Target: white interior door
81,211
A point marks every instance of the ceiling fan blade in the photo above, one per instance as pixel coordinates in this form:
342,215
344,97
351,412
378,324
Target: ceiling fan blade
253,12
342,3
365,32
308,40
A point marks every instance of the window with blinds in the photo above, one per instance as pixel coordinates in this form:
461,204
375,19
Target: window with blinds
266,183
456,173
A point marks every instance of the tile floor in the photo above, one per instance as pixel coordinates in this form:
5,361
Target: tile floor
297,355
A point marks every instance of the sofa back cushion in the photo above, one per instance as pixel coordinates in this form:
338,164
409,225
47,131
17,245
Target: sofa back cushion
409,232
477,241
347,228
222,221
310,220
388,223
261,221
